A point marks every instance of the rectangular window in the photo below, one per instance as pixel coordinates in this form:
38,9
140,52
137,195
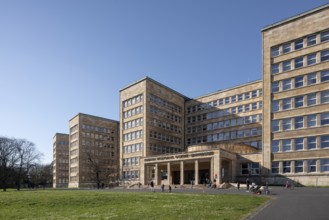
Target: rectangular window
299,62
240,134
233,98
227,100
275,125
286,48
275,146
311,166
247,107
286,166
299,144
286,84
254,106
311,40
286,104
324,55
299,101
324,165
254,131
325,141
311,79
299,81
325,118
275,87
275,106
286,124
240,121
325,76
311,59
240,97
245,169
221,102
275,68
254,168
286,65
233,110
227,135
324,36
311,121
286,145
233,122
299,166
311,99
299,44
247,96
275,167
233,134
247,120
254,94
311,143
247,132
325,97
275,51
299,122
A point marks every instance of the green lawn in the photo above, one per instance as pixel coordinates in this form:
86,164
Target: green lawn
86,204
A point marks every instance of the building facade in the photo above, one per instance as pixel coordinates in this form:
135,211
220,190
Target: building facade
60,160
93,151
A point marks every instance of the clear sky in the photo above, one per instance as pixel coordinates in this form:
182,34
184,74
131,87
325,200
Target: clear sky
59,58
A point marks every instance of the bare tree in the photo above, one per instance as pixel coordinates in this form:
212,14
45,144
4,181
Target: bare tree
7,160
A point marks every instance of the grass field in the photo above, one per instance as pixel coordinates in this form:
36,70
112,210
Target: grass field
93,204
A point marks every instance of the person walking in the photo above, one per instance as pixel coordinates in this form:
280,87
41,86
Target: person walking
248,184
162,187
152,186
238,185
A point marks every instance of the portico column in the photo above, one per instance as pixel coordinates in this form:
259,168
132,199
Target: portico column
156,174
182,172
196,172
168,173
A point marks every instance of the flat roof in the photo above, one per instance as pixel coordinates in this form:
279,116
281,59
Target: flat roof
61,134
83,114
228,89
295,17
156,82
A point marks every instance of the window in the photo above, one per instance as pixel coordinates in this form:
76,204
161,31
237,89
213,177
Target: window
299,101
311,99
286,166
233,122
299,62
275,146
286,104
233,98
299,122
247,120
240,134
325,118
286,145
240,121
325,76
299,81
275,51
311,166
240,97
324,165
286,124
299,144
324,36
286,65
254,168
325,97
311,59
324,55
311,40
275,87
311,143
325,141
247,107
247,95
254,106
254,132
311,79
286,84
227,100
286,48
311,121
299,166
275,68
275,106
275,167
233,110
275,125
299,44
247,132
254,94
233,134
227,136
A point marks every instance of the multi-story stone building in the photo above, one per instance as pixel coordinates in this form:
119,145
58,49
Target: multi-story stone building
296,98
60,160
93,151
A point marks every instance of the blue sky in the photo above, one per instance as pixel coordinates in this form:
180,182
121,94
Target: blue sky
59,58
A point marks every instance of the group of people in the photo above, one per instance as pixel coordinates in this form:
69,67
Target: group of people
162,187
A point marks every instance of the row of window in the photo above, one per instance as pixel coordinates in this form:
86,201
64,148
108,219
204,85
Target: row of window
227,100
133,135
164,103
132,112
299,44
299,62
96,152
133,123
232,135
203,139
133,148
62,180
131,174
132,161
163,149
97,136
225,112
62,143
165,125
165,137
297,144
299,122
97,129
300,101
311,166
300,81
133,100
164,114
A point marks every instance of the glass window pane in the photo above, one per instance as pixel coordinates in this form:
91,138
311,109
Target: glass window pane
299,81
299,122
311,143
324,55
299,144
325,118
275,68
311,99
286,124
275,87
325,141
299,62
311,40
324,36
275,146
311,121
325,76
286,48
286,104
286,65
275,51
325,97
299,44
275,125
275,106
311,59
286,84
286,144
299,101
311,79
